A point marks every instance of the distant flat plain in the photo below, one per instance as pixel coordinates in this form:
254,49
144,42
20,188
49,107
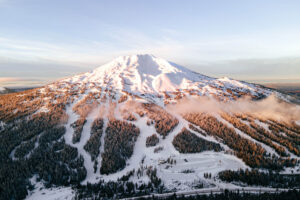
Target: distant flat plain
288,88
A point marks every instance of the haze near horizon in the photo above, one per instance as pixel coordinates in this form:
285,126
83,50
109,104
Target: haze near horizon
43,41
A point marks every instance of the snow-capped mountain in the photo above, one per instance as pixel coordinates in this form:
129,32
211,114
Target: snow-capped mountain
3,90
141,74
149,76
119,124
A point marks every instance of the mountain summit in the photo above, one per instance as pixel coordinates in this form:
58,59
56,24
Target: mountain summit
147,74
143,74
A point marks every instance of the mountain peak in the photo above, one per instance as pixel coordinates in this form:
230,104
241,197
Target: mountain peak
142,73
148,75
144,63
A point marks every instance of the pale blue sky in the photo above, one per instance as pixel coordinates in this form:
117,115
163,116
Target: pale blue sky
255,40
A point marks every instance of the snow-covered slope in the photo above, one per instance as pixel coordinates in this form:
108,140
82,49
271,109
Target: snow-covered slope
118,122
147,74
143,74
2,90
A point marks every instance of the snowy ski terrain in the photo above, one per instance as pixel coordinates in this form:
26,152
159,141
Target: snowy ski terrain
119,122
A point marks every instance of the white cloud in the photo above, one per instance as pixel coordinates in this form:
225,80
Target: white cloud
123,41
240,56
20,82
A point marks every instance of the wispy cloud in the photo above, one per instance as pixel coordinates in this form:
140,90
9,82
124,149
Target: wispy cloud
88,53
241,56
20,82
285,69
9,79
168,44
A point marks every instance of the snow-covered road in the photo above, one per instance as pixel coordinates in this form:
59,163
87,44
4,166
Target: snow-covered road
207,191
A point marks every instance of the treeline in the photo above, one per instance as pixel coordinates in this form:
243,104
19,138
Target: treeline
292,134
82,108
78,127
251,153
24,148
29,127
118,147
152,140
58,164
187,142
115,190
52,161
122,187
227,195
94,142
291,130
18,105
257,178
127,111
37,138
86,105
255,132
194,128
289,139
164,122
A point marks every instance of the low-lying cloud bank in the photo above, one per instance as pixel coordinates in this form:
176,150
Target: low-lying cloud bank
21,82
270,107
